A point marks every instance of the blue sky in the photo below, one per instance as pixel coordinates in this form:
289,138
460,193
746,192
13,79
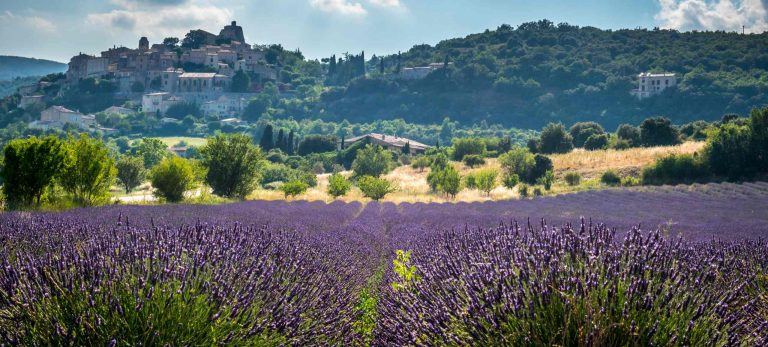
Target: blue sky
60,29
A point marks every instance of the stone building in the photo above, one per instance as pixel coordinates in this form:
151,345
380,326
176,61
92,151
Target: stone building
58,116
231,33
649,84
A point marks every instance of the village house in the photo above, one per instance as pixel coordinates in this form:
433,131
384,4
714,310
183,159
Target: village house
158,103
649,84
390,142
55,117
224,107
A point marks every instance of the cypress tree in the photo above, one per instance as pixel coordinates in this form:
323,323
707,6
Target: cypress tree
290,144
280,143
267,138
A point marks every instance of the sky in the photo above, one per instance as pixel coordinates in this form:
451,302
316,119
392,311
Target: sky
59,29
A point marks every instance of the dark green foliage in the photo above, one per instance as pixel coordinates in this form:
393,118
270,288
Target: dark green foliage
374,188
183,109
555,139
257,106
152,150
629,133
172,177
573,178
283,173
696,131
467,146
348,154
473,160
293,188
372,161
241,83
658,131
546,180
406,149
610,178
675,169
267,138
281,142
233,163
525,165
290,143
510,180
317,144
533,145
542,164
29,167
582,131
596,142
130,172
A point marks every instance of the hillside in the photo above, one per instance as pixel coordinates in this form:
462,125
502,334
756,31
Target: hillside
541,72
12,67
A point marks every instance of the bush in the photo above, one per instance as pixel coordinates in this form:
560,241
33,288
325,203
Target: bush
486,180
729,152
620,144
338,185
658,131
445,180
596,142
473,160
317,144
573,178
172,177
130,172
91,171
374,188
629,181
467,146
533,145
30,166
547,180
523,190
610,178
282,173
510,180
421,163
580,132
372,161
630,134
294,188
555,139
674,169
537,191
470,181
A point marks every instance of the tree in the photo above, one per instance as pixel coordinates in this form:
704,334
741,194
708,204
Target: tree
241,83
373,161
171,42
91,171
486,180
473,160
30,166
280,143
658,131
547,179
317,144
338,185
406,148
293,188
555,139
517,161
374,188
267,138
450,181
580,132
194,39
130,172
257,106
172,177
629,133
152,150
289,145
421,163
467,146
596,142
233,163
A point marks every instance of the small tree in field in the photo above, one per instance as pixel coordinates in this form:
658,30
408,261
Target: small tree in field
486,180
473,160
374,188
338,185
130,172
294,188
29,167
372,161
573,178
172,177
451,181
91,171
233,165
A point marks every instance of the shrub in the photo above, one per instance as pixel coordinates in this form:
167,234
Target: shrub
172,177
294,188
555,139
317,144
596,142
547,180
572,178
374,188
542,164
510,180
467,146
338,185
728,152
473,160
533,145
282,173
580,132
629,133
620,144
518,161
30,166
537,191
523,190
658,131
470,181
610,178
445,180
629,181
674,169
486,180
233,165
130,172
372,161
421,163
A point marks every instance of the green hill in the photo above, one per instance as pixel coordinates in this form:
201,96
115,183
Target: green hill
12,67
541,72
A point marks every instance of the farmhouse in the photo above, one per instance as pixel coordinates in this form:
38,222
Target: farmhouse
55,117
649,84
387,141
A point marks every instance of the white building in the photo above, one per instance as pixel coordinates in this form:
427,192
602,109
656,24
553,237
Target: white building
58,116
158,102
224,107
649,84
419,72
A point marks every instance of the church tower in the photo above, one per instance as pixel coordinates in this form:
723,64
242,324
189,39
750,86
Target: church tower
144,44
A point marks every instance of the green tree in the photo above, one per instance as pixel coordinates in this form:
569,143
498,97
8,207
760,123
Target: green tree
294,188
130,172
373,161
547,179
374,188
172,177
257,106
241,83
629,133
596,142
658,131
30,166
338,185
91,171
555,139
467,146
473,160
233,164
317,144
152,150
450,182
486,180
171,42
267,138
580,132
421,163
518,161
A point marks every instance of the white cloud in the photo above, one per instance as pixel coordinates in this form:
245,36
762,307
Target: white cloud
342,7
387,3
162,21
727,15
34,23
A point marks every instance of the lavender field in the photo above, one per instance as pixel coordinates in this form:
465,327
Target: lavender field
529,272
